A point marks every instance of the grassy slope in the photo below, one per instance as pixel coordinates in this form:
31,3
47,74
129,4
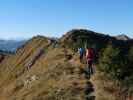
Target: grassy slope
54,76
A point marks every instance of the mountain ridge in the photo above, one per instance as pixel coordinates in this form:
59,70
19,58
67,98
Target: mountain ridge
49,69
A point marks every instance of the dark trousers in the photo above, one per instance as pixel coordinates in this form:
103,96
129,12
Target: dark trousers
81,58
89,66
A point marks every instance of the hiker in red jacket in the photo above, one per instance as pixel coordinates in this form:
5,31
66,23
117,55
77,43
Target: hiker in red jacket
89,59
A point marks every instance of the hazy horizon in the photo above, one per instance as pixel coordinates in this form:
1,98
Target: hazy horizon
26,38
22,19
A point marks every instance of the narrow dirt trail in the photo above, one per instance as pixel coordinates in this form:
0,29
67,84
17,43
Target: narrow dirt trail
89,91
89,87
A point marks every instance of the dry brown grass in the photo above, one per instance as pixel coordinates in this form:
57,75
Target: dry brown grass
58,76
106,89
55,75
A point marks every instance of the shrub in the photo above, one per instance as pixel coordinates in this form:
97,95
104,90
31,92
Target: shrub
117,64
106,60
114,62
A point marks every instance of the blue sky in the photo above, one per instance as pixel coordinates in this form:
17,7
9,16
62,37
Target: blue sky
26,18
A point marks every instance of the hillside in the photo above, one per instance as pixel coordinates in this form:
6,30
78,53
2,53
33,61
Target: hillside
4,54
37,71
48,69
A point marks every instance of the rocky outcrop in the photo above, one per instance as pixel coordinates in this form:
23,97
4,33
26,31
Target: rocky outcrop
122,37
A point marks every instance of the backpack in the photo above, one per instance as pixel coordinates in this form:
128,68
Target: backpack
89,53
81,51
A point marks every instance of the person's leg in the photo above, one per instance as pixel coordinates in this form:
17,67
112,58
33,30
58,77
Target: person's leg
91,69
87,65
87,75
81,58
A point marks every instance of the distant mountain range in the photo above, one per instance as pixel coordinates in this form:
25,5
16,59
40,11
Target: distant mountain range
10,45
